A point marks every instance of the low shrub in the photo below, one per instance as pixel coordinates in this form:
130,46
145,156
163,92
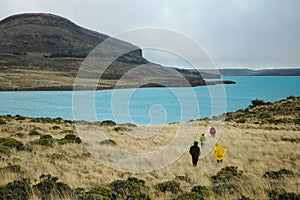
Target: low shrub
45,140
257,102
2,122
224,188
278,174
55,127
293,140
95,193
227,181
129,125
281,194
297,121
227,173
243,198
18,117
34,132
47,137
132,187
4,150
117,129
70,138
189,196
201,190
169,186
138,196
289,196
241,120
11,143
47,120
107,123
12,168
49,187
16,190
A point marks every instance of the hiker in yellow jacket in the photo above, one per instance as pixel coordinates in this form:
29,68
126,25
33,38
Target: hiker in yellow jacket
219,152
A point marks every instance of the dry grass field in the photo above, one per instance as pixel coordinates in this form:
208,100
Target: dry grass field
267,157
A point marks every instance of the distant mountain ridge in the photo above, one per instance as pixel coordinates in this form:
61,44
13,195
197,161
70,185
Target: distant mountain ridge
261,72
41,51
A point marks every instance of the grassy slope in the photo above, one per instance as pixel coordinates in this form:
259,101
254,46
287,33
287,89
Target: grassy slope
254,147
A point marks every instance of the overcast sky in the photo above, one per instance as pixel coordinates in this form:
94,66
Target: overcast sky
236,33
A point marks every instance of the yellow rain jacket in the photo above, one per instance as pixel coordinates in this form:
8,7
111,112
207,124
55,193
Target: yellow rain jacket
219,152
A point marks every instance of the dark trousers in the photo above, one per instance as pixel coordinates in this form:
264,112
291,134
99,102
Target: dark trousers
195,160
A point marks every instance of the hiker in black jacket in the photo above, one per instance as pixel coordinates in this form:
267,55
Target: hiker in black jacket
195,153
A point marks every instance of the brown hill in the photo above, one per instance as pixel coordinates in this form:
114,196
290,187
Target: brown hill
44,52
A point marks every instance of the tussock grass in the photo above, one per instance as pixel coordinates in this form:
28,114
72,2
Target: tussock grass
261,161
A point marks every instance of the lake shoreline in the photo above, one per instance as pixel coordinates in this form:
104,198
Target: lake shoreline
79,88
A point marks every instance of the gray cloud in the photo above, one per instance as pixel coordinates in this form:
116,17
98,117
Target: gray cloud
248,33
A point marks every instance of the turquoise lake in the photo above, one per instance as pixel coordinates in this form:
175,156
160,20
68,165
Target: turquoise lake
151,105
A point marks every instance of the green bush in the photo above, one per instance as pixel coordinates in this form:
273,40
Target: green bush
169,186
70,138
274,194
278,174
224,188
18,117
4,150
201,190
241,120
117,129
45,140
138,196
289,196
42,142
16,190
243,198
108,123
102,193
46,137
297,121
189,196
225,180
129,188
49,186
12,168
34,132
2,122
257,102
55,127
227,173
48,120
11,143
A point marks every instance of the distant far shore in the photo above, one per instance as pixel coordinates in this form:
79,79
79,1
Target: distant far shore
150,85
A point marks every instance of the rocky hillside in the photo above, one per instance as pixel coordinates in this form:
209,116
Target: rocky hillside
44,52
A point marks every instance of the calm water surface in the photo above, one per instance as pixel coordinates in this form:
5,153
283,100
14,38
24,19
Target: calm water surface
151,105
